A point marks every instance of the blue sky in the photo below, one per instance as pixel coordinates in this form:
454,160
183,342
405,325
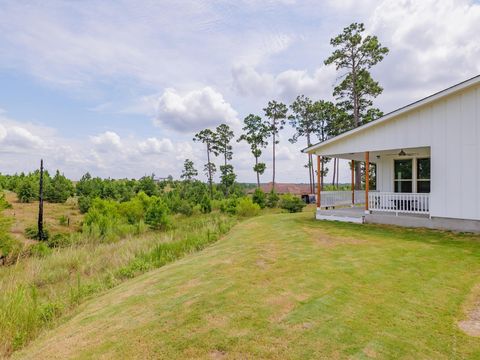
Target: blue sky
119,88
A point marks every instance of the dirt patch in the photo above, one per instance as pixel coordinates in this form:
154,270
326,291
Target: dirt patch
324,239
282,305
218,354
471,325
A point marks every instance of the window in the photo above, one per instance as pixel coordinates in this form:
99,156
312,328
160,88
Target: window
423,175
403,175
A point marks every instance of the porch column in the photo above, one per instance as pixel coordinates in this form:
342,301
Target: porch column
353,182
319,180
367,179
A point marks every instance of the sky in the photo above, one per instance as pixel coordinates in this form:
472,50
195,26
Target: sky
119,88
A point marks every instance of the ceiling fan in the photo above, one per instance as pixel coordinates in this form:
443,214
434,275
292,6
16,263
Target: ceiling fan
402,153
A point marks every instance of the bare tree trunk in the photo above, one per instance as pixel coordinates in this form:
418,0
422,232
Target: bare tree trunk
273,167
258,175
209,171
41,235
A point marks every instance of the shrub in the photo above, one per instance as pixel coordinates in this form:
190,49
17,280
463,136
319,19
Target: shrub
157,214
59,241
63,220
229,206
31,232
40,250
272,199
134,210
291,203
27,191
59,189
102,218
185,208
206,205
246,207
84,203
4,204
259,198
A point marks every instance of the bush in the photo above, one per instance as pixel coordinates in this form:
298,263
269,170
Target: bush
157,214
272,199
64,220
102,219
134,210
59,189
4,204
31,232
246,207
229,206
59,241
40,250
291,203
27,191
206,205
259,198
185,208
84,203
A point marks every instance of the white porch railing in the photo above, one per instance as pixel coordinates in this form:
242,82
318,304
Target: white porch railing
341,198
413,203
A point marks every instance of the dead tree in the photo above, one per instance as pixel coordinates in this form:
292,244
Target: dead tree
41,234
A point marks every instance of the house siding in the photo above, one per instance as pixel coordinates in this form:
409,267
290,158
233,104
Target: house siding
450,128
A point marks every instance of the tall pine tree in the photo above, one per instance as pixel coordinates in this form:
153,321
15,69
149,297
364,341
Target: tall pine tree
356,54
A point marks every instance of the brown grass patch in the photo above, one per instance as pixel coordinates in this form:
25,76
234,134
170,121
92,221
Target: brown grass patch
25,215
471,325
324,239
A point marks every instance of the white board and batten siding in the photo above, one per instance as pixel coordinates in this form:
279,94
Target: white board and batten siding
450,127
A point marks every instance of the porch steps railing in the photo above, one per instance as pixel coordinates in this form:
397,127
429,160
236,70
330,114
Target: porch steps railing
413,203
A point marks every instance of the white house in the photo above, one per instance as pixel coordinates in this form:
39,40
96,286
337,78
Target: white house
427,157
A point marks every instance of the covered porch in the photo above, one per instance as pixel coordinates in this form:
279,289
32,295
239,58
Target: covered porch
396,185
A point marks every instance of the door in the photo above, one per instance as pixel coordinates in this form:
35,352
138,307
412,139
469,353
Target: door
403,175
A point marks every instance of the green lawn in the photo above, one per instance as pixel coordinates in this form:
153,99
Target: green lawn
286,286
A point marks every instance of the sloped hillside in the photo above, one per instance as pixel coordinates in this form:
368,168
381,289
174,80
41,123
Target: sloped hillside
286,286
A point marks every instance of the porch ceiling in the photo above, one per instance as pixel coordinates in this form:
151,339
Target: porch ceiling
390,153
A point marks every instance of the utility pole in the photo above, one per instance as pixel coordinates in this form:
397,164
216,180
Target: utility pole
40,235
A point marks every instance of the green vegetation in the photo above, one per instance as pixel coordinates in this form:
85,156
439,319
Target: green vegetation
286,286
291,203
52,282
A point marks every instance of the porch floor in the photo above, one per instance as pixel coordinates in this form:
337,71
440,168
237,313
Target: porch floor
357,215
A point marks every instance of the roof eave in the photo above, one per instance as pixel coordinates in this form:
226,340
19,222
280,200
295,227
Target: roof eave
407,108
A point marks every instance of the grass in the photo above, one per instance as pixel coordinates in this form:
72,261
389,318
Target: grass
37,291
284,286
24,215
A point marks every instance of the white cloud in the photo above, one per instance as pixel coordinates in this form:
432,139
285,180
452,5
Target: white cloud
108,141
155,146
3,132
193,110
22,138
433,44
285,85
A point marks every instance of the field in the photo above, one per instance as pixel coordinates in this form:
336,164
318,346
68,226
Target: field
25,215
284,286
42,288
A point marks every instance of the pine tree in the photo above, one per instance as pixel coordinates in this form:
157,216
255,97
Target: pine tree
357,54
276,112
255,134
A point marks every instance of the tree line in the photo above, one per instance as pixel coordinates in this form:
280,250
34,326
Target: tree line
354,54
